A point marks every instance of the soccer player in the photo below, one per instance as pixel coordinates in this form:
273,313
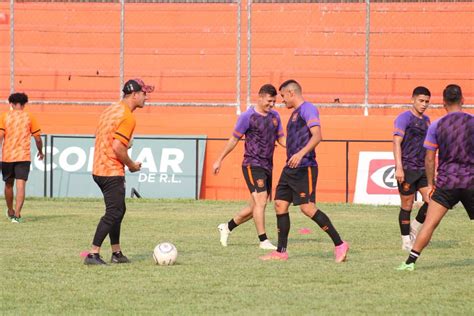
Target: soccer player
262,127
453,137
113,138
408,136
298,179
16,127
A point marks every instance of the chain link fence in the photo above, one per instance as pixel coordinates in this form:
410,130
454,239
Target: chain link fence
363,54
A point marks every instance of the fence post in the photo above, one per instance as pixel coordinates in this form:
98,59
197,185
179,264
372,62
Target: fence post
239,43
51,167
122,44
45,162
249,50
347,171
367,59
197,170
12,46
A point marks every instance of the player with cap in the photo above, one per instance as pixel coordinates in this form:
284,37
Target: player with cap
113,138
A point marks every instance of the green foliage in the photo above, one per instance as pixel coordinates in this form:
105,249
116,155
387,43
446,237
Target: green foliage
42,272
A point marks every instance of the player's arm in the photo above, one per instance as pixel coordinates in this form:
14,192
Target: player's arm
430,167
120,150
227,149
315,139
282,141
397,153
39,146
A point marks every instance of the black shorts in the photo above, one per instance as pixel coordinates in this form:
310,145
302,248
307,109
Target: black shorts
16,170
258,179
297,185
449,198
414,180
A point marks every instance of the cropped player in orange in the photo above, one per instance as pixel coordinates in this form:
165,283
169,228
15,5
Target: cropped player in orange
16,127
113,138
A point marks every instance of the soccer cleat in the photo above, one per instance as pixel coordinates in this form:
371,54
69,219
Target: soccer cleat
17,220
267,245
224,232
118,257
94,259
340,252
406,267
407,243
275,255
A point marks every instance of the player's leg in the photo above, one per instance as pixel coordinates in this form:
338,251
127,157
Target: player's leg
114,235
467,200
283,198
244,215
21,171
407,192
418,221
8,191
9,179
440,202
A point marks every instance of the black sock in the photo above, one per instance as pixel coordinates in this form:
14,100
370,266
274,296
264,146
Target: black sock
283,225
421,216
412,257
118,253
231,224
325,223
262,237
404,222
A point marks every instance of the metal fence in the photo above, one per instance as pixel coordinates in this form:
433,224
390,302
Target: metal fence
219,52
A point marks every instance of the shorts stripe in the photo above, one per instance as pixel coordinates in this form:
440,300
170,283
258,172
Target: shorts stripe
250,175
310,181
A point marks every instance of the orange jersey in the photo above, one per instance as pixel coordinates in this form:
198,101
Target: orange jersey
116,122
18,127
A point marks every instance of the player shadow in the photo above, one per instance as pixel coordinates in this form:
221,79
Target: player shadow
148,258
46,217
443,244
459,263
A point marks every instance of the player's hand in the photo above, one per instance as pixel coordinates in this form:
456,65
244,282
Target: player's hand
399,175
136,166
40,156
295,160
216,167
430,189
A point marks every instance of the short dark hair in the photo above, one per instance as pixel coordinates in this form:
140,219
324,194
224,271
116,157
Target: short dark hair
268,89
452,94
421,90
18,97
290,82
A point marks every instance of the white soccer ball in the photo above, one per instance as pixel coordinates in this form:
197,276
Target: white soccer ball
165,254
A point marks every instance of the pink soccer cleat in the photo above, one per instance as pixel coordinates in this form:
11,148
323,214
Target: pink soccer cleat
275,255
340,252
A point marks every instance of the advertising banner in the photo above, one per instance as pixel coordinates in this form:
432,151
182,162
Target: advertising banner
171,167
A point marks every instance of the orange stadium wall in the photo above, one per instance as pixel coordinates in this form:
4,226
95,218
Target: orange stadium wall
87,69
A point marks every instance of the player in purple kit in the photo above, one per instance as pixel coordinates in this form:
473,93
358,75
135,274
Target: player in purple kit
453,137
298,179
262,127
408,136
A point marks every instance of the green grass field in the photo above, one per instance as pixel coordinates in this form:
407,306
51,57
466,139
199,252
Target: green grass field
42,272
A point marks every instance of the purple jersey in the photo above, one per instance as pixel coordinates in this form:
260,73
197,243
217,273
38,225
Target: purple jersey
261,132
298,132
413,131
453,136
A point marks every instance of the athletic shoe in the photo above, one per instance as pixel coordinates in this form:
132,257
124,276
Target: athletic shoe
17,220
94,259
407,243
225,232
406,267
267,245
275,255
118,257
340,252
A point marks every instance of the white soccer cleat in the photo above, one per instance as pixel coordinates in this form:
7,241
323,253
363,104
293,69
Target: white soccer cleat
224,232
267,245
407,243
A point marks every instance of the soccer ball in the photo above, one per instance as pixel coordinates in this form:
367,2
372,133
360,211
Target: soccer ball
165,254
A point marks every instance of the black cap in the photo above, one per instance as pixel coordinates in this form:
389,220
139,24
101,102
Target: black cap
136,85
